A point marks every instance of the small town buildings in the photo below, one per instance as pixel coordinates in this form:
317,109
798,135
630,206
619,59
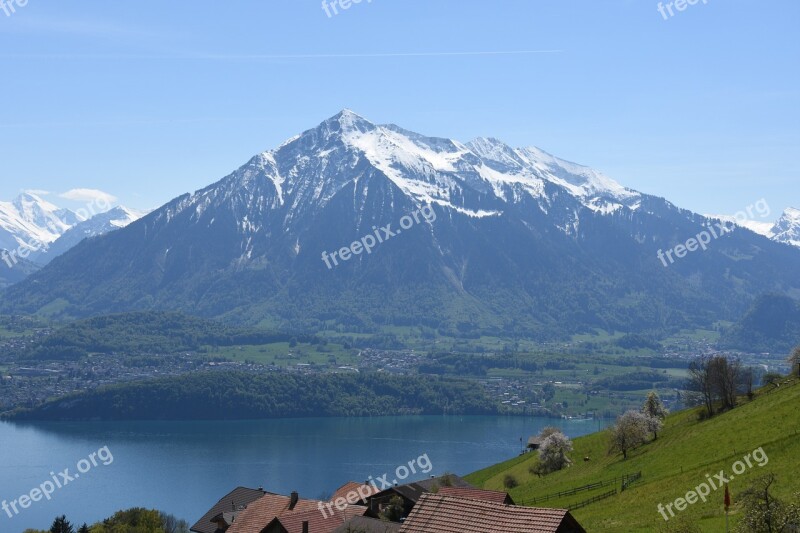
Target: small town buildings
410,493
446,504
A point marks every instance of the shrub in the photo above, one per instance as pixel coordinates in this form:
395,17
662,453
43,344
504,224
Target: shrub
510,481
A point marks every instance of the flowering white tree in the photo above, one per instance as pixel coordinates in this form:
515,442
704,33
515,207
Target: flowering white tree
655,411
553,452
629,432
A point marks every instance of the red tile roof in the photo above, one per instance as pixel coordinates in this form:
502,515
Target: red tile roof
353,487
317,521
262,511
477,494
363,524
231,502
435,513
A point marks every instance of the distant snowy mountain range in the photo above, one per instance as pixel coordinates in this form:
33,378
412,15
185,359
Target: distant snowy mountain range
785,230
522,243
40,230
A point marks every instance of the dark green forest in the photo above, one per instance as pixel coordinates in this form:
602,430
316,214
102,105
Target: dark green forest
241,396
141,333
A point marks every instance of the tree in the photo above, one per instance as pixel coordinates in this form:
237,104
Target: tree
794,359
725,377
749,378
654,408
394,511
547,431
714,379
699,384
763,513
629,432
653,425
61,525
84,529
171,524
553,452
549,391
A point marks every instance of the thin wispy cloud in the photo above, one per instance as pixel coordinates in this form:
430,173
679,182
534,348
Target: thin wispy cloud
258,57
88,195
136,122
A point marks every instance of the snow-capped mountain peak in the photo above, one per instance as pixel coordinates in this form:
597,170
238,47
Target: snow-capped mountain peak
100,224
787,228
30,219
513,238
32,223
430,170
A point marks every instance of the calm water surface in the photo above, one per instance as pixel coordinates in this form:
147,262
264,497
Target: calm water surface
185,467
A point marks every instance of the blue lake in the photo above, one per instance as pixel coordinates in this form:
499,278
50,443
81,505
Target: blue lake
185,467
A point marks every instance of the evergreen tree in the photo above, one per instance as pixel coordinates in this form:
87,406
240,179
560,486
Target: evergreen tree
61,525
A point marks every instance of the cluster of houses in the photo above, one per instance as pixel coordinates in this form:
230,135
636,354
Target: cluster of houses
446,504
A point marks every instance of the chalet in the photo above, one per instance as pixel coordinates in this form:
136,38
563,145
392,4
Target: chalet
448,514
410,493
222,515
447,504
256,511
258,514
534,443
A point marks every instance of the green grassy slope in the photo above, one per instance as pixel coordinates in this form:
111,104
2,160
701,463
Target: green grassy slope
676,463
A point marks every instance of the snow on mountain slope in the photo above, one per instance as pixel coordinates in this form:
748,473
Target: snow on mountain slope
30,222
100,224
29,219
785,230
521,239
761,228
477,179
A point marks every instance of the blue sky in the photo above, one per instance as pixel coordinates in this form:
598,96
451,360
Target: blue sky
147,100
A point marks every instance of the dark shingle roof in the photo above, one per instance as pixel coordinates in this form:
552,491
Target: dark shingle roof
232,502
446,514
413,491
